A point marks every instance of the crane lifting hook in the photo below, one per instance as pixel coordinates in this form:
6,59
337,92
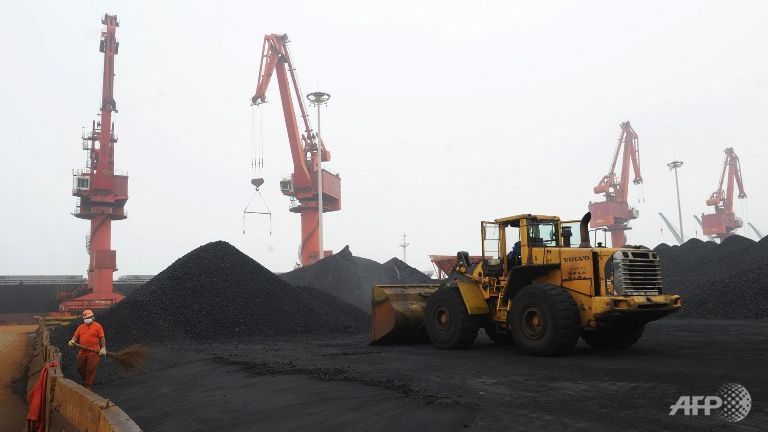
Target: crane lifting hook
257,182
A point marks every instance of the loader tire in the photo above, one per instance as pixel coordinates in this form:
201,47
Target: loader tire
498,337
613,338
447,321
544,320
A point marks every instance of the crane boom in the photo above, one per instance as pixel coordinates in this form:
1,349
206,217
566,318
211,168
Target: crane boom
276,58
759,234
671,228
698,219
723,221
307,148
614,212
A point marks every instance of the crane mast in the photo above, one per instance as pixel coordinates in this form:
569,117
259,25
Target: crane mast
307,148
614,212
101,192
723,221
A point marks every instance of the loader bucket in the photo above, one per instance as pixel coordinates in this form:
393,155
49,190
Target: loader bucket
398,312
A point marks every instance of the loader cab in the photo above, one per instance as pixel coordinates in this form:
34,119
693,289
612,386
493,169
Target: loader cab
494,249
537,233
509,242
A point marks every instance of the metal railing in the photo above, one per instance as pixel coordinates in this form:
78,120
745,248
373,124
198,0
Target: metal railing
80,210
88,171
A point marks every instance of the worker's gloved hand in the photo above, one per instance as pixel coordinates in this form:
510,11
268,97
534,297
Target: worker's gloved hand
71,343
103,351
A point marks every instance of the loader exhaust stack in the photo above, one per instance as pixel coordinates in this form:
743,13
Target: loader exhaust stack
584,230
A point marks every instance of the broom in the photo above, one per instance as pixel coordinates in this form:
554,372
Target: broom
130,358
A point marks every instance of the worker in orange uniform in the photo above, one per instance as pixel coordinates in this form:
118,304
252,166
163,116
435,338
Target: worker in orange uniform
89,334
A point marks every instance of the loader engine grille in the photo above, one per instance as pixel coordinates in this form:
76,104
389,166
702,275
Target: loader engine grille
636,272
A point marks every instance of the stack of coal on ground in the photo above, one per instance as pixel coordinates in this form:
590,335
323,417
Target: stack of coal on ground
350,277
215,294
718,281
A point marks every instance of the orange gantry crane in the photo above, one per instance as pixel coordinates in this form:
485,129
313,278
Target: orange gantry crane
307,148
614,212
101,192
723,221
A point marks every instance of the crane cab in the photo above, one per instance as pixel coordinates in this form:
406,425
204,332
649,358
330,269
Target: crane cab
286,186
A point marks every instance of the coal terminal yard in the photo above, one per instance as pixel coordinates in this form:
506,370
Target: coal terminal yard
466,245
328,377
341,383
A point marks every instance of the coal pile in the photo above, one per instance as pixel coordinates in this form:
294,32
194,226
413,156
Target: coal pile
217,293
24,298
718,281
350,278
404,271
127,288
41,298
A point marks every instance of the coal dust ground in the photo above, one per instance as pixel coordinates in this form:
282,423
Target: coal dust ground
340,382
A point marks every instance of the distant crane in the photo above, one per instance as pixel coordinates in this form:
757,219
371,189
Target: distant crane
722,222
101,192
614,213
698,219
758,233
307,149
671,229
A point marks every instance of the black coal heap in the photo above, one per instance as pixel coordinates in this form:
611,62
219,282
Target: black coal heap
350,278
216,292
718,281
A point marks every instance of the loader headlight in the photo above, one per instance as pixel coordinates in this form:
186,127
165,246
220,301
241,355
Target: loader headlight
608,272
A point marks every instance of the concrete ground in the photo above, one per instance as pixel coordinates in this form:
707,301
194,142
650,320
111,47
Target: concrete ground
345,384
15,346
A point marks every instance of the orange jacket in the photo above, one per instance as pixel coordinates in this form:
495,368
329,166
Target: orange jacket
88,335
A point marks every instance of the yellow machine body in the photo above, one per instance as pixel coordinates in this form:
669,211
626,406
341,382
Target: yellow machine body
609,285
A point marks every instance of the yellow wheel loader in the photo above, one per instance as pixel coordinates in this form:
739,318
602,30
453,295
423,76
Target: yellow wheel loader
550,288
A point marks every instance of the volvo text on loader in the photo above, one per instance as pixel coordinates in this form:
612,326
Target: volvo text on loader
550,289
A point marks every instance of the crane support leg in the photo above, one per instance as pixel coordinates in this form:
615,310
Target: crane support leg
310,236
618,239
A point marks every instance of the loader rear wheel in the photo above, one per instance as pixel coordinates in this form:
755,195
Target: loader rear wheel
448,323
544,320
613,338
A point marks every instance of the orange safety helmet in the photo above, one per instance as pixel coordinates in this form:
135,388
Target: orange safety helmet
87,314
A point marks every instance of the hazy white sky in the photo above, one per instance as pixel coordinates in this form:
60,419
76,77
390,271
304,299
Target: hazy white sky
442,114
